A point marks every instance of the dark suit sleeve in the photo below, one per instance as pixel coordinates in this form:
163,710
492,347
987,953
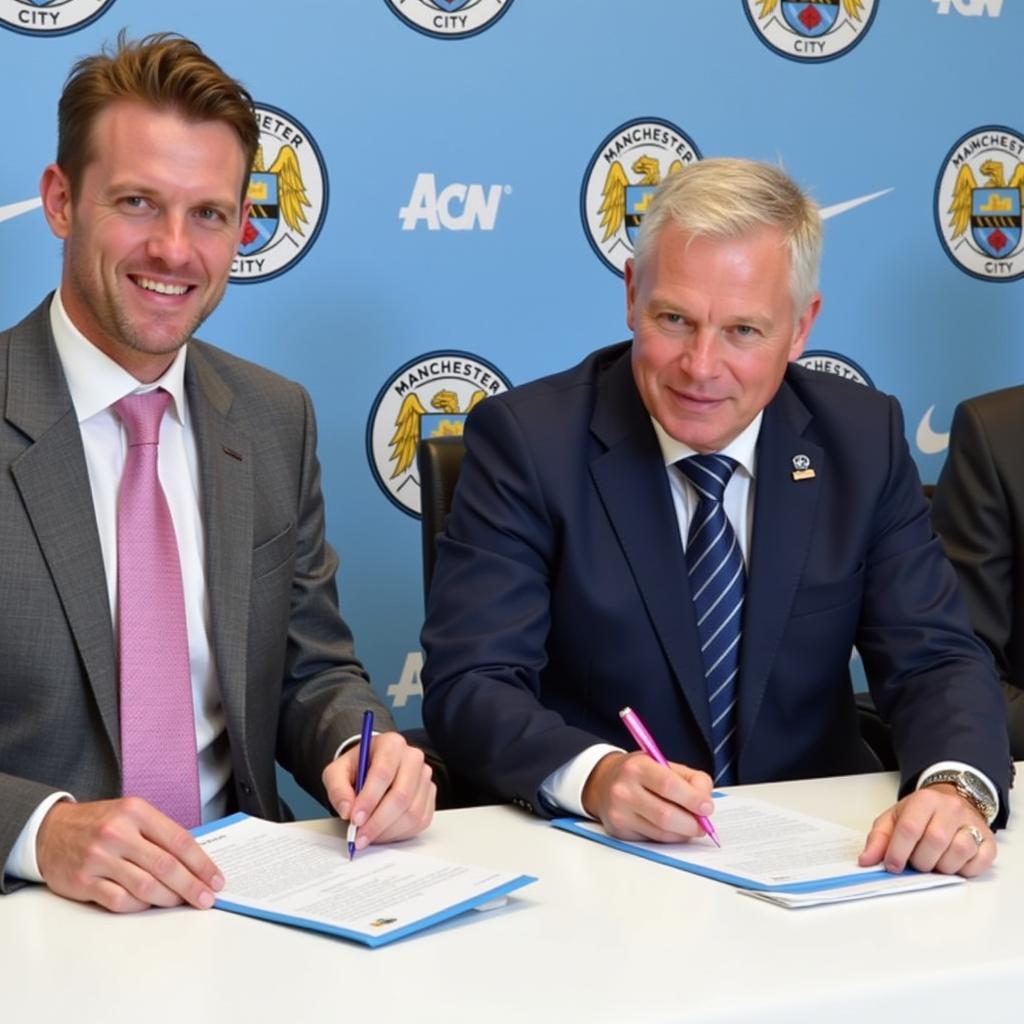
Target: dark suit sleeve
325,688
971,512
488,618
930,676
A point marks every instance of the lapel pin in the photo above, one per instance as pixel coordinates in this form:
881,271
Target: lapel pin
802,468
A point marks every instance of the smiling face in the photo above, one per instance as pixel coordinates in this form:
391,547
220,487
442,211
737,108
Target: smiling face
150,237
714,326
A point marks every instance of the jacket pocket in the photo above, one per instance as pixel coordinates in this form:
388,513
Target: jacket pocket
273,553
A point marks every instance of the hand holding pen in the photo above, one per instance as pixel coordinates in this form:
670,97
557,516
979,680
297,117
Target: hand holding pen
646,742
382,787
364,762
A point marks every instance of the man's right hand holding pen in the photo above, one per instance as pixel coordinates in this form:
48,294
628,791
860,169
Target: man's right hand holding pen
636,798
397,799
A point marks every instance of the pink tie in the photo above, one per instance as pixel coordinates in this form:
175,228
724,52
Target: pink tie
158,737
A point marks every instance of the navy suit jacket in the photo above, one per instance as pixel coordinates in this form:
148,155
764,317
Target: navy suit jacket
560,594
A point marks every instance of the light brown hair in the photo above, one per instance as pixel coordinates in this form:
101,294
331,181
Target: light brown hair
164,71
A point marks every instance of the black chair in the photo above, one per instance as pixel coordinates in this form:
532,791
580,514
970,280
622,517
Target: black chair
439,460
875,732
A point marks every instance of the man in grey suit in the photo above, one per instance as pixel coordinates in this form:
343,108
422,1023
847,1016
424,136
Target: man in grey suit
149,196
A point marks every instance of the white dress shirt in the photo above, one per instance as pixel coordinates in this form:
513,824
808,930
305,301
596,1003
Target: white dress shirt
96,382
563,788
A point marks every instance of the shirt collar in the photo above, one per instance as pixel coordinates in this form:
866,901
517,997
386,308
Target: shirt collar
95,381
742,448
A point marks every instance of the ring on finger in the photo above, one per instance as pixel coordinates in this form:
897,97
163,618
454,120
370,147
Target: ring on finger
974,832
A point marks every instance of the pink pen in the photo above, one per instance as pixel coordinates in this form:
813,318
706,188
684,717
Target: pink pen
637,729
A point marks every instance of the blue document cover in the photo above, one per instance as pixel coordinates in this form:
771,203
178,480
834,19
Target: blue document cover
676,860
304,878
785,856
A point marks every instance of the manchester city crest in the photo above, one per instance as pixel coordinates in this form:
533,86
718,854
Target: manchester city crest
832,362
621,179
288,192
449,19
430,396
978,199
50,17
811,30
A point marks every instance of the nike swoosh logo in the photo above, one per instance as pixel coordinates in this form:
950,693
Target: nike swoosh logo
850,204
931,442
15,209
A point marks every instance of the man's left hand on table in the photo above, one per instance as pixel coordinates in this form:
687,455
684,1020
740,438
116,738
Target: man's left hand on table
932,829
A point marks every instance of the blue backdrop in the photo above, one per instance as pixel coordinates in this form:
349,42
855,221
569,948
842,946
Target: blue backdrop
448,189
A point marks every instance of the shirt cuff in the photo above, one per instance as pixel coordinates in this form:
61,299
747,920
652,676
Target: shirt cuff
563,788
21,862
350,742
959,766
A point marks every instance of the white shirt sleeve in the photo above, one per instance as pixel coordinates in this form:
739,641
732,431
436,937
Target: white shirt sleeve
563,788
21,863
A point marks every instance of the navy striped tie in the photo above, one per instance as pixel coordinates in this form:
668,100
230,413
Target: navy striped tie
717,580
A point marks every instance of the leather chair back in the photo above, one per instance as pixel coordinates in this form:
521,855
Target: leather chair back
439,460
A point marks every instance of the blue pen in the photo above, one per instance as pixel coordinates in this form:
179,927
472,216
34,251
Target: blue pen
364,761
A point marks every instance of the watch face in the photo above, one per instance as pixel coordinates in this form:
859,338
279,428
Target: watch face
977,789
971,787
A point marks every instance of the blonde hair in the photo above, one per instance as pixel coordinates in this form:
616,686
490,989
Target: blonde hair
726,197
164,71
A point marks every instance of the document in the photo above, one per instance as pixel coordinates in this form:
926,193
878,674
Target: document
304,878
786,857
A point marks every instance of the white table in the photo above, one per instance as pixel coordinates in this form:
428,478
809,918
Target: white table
601,937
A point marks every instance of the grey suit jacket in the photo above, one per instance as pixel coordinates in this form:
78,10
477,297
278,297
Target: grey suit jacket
291,685
978,511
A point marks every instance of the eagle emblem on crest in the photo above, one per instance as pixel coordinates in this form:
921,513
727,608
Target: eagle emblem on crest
992,209
624,202
276,193
429,396
414,422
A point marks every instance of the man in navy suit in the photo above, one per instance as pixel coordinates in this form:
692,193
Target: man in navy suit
575,575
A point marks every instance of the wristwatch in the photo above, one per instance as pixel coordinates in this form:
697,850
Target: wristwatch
972,788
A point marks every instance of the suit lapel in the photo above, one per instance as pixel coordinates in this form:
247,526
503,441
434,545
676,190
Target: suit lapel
225,473
53,482
783,521
631,480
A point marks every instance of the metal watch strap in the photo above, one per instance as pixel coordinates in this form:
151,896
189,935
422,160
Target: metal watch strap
957,778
